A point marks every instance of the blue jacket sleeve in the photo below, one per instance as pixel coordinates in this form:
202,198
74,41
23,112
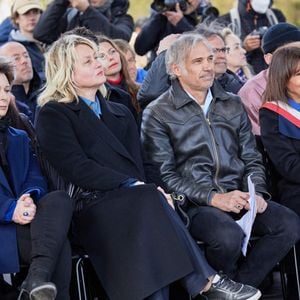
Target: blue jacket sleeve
155,83
5,28
35,183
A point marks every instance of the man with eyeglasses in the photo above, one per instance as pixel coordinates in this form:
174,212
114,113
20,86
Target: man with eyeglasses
197,143
157,80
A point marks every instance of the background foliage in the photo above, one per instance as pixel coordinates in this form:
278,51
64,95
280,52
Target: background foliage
291,8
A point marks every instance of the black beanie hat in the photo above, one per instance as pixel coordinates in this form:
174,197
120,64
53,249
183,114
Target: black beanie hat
278,35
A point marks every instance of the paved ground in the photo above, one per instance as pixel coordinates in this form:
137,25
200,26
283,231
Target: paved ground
273,293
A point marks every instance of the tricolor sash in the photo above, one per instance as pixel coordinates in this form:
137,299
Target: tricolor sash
288,118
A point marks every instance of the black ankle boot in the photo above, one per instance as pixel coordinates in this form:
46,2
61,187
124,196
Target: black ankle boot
37,287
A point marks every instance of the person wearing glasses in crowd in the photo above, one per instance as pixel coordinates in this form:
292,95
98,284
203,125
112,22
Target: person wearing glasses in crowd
236,57
157,80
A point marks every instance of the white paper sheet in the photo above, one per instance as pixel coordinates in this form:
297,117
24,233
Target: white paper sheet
248,218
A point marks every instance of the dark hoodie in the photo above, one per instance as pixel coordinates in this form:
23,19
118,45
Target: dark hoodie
58,18
27,103
251,20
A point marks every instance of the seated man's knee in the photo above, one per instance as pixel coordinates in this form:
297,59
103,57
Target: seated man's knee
282,222
224,239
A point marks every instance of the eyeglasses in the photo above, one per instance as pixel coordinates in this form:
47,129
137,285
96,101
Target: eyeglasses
221,50
110,52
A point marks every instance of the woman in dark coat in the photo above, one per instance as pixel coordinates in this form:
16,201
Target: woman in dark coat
33,225
135,241
280,132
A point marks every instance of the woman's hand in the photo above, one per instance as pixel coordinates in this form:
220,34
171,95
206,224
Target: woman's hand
167,196
25,210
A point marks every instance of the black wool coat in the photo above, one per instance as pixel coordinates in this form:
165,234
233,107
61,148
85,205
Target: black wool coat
131,242
284,153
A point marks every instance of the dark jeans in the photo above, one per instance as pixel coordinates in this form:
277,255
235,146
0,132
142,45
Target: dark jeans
44,244
196,281
278,229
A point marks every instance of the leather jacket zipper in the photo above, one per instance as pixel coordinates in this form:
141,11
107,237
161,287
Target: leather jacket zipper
215,154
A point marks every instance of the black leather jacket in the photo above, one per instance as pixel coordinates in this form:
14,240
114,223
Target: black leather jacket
197,155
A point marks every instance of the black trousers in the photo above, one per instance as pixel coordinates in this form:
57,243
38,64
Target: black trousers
197,280
278,229
43,244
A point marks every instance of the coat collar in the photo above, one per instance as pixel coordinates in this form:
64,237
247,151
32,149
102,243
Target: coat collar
79,105
97,126
180,98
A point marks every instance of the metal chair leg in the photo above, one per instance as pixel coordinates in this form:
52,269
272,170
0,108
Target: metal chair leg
296,270
283,281
80,279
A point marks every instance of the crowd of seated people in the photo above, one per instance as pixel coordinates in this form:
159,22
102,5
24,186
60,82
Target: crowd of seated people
134,141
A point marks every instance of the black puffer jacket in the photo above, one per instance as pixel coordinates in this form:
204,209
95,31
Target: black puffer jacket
197,155
158,27
58,18
251,20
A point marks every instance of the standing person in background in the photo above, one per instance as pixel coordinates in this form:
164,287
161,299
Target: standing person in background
108,17
252,91
142,60
280,132
6,26
167,20
250,20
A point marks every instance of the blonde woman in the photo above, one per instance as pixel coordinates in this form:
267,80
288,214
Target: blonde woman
136,243
236,56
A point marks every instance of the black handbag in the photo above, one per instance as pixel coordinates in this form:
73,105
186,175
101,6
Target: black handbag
180,204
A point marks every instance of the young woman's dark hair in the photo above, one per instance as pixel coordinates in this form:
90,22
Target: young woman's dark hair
16,119
7,68
20,121
132,87
284,64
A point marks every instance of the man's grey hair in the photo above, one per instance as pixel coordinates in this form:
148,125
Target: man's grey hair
208,31
180,49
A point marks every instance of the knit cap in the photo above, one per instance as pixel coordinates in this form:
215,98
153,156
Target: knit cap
278,35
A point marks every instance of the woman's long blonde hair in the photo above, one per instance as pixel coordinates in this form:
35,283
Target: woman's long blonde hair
246,69
60,60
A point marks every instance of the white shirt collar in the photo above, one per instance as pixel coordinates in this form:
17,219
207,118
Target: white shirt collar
207,102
